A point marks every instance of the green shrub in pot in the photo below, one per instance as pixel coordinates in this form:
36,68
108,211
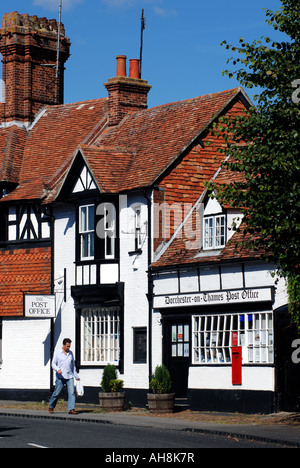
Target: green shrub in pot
161,380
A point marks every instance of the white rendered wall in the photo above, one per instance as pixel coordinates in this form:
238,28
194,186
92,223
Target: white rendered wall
25,354
64,247
220,378
133,272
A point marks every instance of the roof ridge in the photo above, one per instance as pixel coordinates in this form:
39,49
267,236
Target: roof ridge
196,98
70,104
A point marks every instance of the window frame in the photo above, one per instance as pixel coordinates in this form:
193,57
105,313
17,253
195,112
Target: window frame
110,231
96,344
212,338
83,232
210,233
139,357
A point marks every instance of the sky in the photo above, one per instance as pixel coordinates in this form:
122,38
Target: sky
182,55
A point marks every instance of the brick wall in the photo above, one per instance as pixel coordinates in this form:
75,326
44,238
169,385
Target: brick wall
125,96
28,45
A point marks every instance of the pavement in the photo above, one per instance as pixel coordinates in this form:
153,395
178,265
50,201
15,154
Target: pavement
283,434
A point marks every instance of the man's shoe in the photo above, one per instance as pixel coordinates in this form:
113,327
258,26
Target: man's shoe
73,412
51,410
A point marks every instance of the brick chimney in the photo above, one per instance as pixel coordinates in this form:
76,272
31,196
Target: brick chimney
126,94
28,45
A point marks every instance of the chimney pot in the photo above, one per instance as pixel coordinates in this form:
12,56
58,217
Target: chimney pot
126,95
121,65
134,68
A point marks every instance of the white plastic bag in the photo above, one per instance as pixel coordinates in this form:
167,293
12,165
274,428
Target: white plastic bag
79,388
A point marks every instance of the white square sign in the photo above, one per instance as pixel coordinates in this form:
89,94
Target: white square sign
39,306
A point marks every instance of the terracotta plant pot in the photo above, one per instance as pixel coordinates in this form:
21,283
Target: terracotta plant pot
113,401
161,403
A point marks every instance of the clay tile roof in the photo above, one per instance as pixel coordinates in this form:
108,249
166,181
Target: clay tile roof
227,176
12,143
179,253
161,134
52,139
108,166
23,271
133,154
183,251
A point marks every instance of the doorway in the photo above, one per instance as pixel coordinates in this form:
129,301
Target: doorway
287,361
177,352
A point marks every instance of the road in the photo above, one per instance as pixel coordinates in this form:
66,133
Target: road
39,433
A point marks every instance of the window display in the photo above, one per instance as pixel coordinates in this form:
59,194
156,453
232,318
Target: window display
214,336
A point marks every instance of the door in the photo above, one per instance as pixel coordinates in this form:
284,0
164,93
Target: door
287,361
177,352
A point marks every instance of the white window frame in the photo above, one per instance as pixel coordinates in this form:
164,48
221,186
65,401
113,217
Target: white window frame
213,333
109,231
214,232
100,336
87,232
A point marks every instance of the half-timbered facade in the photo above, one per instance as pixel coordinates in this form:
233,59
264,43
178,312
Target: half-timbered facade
103,207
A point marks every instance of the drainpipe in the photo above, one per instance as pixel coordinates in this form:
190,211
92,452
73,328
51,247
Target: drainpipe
150,283
51,218
52,292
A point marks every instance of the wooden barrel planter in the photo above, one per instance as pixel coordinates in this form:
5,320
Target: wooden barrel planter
161,402
113,401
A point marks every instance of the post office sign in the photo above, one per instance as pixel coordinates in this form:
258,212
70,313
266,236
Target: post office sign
39,306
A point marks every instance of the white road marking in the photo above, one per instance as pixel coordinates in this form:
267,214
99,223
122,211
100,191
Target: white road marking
37,446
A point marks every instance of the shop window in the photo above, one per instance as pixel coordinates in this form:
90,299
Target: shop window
87,232
213,338
100,336
214,232
139,345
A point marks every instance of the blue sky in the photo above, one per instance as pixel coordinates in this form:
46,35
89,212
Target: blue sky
182,53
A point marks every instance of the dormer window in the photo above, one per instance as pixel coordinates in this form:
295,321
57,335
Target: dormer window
214,232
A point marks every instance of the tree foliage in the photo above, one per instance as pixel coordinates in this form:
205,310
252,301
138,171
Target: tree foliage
263,145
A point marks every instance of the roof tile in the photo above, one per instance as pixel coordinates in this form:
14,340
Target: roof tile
23,270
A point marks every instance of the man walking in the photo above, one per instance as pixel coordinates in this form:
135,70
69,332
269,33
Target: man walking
64,365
